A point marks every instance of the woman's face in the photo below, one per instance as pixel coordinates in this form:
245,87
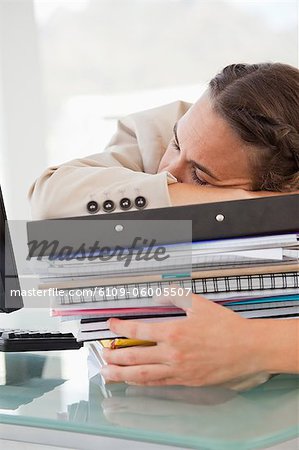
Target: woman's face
205,150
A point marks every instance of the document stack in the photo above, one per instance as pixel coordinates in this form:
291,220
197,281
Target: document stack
241,254
255,276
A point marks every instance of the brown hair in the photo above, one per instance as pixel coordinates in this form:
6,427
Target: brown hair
261,103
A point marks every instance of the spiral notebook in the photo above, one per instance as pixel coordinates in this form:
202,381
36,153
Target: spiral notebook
216,288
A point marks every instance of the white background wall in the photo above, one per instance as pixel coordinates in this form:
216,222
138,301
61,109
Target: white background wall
69,68
22,111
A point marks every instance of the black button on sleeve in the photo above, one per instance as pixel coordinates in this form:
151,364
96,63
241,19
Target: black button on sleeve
93,207
140,202
125,203
108,206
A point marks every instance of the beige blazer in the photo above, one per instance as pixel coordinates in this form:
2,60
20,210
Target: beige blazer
127,168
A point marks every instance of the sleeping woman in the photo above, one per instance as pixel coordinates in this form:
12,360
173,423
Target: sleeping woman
240,140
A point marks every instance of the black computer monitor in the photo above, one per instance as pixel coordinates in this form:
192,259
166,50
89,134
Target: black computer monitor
9,281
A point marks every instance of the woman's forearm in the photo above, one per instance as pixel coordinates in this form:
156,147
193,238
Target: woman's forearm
275,342
187,194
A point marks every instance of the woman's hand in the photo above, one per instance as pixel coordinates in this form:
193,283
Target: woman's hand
211,346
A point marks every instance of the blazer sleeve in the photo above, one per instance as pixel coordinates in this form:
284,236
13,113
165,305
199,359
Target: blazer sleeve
127,168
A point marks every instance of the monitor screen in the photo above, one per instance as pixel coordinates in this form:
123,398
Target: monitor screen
9,276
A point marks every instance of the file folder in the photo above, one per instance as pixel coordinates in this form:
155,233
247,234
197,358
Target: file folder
210,221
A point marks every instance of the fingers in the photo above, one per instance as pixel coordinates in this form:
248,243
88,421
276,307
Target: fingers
199,301
186,301
136,374
202,303
163,300
182,301
138,330
203,307
134,356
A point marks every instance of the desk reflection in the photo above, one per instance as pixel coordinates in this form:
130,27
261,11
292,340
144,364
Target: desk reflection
213,413
24,377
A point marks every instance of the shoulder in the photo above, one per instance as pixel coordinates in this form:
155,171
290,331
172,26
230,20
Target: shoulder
156,124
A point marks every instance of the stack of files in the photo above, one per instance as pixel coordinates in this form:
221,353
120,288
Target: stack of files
254,276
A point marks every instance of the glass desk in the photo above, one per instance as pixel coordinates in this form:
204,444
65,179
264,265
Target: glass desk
52,391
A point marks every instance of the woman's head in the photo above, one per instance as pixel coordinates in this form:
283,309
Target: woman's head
244,130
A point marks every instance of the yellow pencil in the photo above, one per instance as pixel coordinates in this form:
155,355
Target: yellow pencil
123,342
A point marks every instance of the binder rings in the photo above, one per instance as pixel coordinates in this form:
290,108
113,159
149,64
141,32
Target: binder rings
229,219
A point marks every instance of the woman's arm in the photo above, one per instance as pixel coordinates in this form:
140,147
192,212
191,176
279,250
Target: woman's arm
276,344
188,194
212,345
66,191
126,169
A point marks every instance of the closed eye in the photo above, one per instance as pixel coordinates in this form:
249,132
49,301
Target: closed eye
176,145
175,137
197,179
